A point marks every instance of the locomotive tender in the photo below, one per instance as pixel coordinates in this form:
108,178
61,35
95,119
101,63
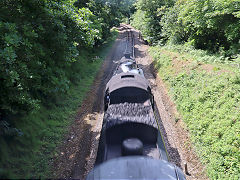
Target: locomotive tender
131,145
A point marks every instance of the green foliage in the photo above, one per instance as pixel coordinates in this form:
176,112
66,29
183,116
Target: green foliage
46,49
211,25
28,156
172,29
109,12
141,22
147,18
208,101
39,42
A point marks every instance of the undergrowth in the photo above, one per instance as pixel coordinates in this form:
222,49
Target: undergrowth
206,90
199,55
28,156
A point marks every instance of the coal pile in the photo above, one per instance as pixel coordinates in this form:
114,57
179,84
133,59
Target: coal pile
129,112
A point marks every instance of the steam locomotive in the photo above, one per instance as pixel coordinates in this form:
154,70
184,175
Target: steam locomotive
131,145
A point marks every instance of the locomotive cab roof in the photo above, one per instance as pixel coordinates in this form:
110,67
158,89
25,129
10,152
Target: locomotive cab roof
128,79
128,87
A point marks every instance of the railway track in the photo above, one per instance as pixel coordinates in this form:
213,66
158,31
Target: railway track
130,132
130,43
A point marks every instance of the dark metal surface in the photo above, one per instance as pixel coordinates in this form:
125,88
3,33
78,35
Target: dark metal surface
117,82
130,128
136,167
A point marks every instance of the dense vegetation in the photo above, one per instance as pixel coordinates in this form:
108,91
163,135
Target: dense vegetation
206,91
39,45
206,24
40,41
197,55
47,52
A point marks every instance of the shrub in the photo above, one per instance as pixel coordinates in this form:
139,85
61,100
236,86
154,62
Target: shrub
208,103
39,42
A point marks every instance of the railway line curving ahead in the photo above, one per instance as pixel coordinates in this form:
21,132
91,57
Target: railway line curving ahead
131,145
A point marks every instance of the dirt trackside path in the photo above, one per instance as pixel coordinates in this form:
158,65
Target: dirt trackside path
176,138
78,151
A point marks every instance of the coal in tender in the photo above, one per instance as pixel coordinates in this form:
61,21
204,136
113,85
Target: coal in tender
129,112
128,109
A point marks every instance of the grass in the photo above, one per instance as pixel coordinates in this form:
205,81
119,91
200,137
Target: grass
28,156
206,90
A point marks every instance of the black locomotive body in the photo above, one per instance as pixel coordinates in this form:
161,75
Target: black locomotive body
129,116
131,145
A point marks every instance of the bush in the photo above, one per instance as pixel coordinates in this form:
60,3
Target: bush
40,40
148,16
212,25
205,24
208,101
46,68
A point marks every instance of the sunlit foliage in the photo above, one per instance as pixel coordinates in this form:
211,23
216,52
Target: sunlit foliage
206,24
